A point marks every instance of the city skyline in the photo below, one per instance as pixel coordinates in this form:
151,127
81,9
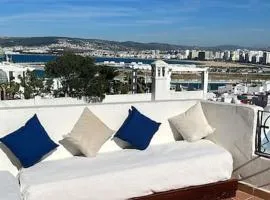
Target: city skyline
183,22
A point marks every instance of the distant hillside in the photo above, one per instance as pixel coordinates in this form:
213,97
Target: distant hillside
27,41
105,44
160,46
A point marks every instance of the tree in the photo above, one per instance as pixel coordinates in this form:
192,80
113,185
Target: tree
12,89
32,84
121,87
48,86
80,76
141,85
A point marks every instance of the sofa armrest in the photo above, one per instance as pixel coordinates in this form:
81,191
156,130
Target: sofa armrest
235,126
236,131
9,186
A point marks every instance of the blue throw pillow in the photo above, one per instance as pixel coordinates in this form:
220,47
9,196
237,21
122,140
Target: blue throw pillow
138,130
29,143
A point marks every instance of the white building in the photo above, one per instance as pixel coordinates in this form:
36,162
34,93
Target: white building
13,70
218,55
235,56
186,54
227,55
266,86
240,89
266,57
193,54
256,58
255,89
225,89
205,55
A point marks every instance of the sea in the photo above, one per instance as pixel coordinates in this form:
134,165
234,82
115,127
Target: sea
29,58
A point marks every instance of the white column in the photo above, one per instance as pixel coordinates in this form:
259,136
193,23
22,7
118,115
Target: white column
205,83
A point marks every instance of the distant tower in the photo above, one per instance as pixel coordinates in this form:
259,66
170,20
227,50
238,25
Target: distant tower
161,80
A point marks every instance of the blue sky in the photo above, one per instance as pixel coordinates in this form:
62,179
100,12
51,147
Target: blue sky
187,22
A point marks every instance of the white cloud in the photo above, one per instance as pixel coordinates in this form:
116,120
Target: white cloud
67,13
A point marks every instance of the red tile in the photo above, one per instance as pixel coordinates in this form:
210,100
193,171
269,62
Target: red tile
243,196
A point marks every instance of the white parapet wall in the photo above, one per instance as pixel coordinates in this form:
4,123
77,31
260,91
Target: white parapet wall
184,95
187,95
127,98
40,102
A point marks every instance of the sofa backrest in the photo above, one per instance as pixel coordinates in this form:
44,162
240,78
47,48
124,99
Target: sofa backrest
235,128
59,120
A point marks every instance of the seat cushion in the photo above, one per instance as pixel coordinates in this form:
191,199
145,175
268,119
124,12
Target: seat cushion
127,173
29,143
9,187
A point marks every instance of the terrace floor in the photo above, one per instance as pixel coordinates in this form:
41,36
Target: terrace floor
244,196
246,192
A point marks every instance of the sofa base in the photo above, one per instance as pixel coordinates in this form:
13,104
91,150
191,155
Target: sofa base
212,191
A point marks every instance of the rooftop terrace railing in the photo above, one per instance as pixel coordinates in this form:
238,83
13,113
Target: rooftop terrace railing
263,134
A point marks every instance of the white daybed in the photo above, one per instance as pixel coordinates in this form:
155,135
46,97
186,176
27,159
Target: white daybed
128,173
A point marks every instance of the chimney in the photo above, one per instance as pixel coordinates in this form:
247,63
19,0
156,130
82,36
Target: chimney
161,79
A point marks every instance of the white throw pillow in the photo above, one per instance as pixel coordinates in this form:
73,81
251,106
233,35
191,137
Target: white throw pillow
88,134
192,125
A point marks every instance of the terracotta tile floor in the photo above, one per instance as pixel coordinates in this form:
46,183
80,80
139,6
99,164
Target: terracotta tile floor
244,196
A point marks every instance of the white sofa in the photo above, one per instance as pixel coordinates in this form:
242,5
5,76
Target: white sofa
9,187
235,132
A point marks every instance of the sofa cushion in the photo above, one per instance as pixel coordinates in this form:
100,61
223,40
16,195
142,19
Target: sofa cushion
29,143
128,173
137,129
192,125
9,186
88,134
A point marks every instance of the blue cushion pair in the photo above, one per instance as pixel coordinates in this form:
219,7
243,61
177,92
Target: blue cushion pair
29,143
138,130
